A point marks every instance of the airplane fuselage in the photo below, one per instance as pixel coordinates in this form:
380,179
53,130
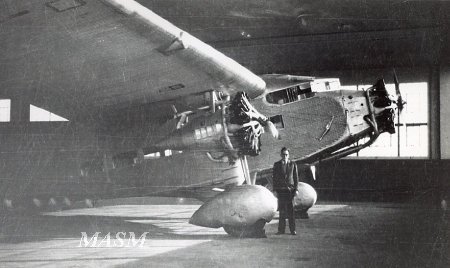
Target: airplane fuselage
196,155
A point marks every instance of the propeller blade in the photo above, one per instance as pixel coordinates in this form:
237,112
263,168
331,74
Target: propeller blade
397,84
400,102
270,127
313,171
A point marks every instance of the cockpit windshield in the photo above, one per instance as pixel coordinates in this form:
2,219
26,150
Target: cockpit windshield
290,94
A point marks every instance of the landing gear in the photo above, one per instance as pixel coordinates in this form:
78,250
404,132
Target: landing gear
255,230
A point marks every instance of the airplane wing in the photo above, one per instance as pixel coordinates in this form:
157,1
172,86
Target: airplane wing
171,41
87,56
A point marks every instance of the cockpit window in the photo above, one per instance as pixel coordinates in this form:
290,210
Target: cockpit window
290,94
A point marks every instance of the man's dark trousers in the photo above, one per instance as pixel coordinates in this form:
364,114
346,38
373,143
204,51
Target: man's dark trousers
286,209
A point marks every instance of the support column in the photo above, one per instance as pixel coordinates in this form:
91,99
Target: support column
20,109
444,111
434,113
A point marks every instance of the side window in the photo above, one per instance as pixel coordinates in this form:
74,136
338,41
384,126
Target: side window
5,110
36,114
198,135
40,115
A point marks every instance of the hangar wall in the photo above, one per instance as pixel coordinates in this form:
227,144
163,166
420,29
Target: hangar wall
385,180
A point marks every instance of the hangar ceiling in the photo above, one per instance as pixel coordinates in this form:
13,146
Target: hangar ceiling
228,20
304,35
292,36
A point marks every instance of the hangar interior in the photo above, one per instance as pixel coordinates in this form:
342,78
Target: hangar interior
355,41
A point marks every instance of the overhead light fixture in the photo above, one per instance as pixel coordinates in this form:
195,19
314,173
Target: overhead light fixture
245,34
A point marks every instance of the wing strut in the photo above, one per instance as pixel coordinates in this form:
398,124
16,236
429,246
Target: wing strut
246,170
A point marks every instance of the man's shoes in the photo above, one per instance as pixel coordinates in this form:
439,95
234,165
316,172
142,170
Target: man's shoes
293,233
279,233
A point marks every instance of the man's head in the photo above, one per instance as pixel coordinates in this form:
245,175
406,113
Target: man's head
284,154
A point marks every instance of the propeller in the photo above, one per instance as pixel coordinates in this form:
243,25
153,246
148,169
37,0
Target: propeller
400,102
270,127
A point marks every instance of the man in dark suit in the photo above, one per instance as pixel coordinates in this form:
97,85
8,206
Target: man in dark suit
285,182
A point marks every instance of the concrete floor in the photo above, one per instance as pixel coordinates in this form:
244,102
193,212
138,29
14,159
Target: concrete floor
336,235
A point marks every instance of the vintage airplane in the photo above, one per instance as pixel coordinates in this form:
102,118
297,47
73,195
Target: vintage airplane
155,111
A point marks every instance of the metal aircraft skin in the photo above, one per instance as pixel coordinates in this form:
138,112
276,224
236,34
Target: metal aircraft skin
155,111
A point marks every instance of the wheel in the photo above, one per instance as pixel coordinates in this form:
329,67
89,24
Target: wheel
255,230
233,231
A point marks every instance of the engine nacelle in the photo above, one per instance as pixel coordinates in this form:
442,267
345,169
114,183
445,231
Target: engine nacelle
234,129
239,207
